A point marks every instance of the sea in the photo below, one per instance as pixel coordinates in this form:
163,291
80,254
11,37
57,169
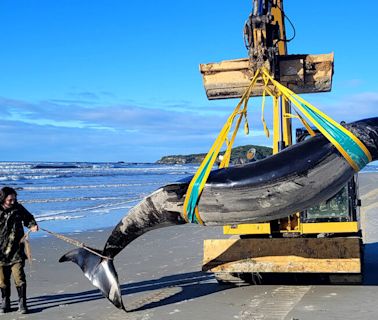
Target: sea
69,197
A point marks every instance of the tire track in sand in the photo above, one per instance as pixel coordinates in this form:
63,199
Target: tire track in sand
275,305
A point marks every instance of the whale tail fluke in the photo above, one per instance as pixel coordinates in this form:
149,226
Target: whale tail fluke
100,272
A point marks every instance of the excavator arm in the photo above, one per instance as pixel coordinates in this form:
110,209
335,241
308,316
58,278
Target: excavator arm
272,248
265,39
264,35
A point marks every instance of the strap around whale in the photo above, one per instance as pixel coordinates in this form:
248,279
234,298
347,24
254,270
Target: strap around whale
352,149
190,210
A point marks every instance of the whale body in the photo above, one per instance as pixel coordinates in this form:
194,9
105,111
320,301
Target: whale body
290,181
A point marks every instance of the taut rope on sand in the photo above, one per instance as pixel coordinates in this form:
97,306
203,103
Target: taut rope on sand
66,239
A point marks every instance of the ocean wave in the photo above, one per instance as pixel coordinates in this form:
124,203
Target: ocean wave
38,174
49,218
94,167
102,206
54,166
71,199
27,177
83,194
116,185
15,167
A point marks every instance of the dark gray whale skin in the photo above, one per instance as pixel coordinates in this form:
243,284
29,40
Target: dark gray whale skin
296,178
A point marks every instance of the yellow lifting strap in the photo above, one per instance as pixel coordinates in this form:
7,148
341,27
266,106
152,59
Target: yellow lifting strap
303,120
353,150
190,211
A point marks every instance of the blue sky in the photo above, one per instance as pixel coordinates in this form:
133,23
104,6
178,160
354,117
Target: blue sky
118,80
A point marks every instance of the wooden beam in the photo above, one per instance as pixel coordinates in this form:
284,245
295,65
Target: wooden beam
312,255
302,73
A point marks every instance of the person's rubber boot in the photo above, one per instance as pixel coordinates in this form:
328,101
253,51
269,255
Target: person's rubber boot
5,303
22,307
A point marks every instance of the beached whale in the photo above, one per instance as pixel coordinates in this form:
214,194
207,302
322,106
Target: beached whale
296,178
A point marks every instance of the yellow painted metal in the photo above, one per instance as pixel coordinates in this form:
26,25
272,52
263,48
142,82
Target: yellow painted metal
329,227
281,260
294,226
278,120
276,125
303,73
282,50
278,18
286,123
282,131
250,228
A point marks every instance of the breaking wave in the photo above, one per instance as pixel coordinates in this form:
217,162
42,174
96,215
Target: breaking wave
73,196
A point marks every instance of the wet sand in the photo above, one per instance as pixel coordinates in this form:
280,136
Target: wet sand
161,279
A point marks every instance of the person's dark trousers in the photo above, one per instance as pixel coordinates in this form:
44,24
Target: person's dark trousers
17,270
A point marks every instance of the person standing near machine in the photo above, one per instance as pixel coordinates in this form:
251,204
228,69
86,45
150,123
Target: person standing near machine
13,217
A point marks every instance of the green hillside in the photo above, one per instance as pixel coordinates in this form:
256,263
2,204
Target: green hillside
238,155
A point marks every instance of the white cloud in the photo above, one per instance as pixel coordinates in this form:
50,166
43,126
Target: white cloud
55,131
51,130
355,107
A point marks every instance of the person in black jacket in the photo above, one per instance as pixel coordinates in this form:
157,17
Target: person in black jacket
13,218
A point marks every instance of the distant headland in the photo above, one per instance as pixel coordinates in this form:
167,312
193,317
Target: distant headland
239,155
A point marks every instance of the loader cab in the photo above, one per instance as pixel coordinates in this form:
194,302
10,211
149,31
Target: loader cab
342,207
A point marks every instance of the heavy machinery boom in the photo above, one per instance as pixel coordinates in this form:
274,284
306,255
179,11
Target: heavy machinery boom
266,43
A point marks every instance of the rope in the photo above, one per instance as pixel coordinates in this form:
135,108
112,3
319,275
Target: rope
75,243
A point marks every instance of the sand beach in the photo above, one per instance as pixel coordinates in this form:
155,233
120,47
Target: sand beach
93,93
161,279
